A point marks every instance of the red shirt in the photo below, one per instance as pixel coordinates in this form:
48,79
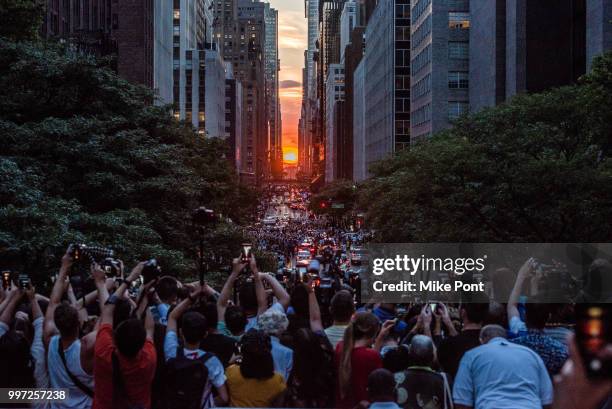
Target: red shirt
363,362
137,373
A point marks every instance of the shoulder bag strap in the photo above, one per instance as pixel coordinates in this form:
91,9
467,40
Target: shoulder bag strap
84,388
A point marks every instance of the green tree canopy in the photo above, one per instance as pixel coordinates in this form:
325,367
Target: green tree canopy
340,192
87,157
537,168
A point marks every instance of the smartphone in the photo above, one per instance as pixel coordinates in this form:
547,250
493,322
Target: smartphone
6,280
301,273
246,252
594,338
24,281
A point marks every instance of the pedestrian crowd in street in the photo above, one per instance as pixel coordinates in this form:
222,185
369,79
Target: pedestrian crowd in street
253,344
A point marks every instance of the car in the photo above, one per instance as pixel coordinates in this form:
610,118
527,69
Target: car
303,255
269,221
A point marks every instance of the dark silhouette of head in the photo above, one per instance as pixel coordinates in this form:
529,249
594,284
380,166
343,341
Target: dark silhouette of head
66,319
130,337
381,386
193,327
256,350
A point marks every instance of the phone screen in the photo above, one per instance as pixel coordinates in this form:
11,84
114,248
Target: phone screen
6,280
246,252
594,337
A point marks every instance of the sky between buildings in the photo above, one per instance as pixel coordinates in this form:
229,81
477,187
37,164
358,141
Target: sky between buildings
292,39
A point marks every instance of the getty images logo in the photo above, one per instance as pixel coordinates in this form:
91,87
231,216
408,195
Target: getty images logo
411,265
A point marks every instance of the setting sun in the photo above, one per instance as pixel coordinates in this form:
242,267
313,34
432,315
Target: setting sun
290,155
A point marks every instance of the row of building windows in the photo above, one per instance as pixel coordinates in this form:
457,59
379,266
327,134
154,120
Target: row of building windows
402,33
402,82
422,87
402,127
422,32
458,20
458,80
421,115
458,4
457,108
402,105
402,58
458,50
421,60
402,11
419,8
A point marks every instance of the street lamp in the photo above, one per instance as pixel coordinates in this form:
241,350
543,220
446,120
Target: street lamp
201,218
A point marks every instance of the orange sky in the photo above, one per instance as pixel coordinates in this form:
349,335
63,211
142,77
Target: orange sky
292,38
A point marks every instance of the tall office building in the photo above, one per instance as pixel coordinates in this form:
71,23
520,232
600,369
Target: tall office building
233,116
272,67
387,80
198,70
439,65
310,101
525,46
329,53
348,21
138,33
333,120
360,171
247,56
599,28
87,24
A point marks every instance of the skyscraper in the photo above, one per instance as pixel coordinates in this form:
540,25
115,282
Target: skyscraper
599,28
387,80
310,101
526,46
439,65
335,95
199,72
138,33
272,67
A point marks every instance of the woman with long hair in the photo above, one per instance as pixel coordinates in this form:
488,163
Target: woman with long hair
253,382
357,356
311,384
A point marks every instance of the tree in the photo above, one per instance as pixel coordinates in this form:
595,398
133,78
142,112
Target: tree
537,168
21,19
340,192
87,157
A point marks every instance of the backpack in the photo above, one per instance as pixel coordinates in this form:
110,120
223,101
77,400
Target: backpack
186,380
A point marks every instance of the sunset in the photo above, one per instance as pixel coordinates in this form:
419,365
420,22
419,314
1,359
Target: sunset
292,33
290,155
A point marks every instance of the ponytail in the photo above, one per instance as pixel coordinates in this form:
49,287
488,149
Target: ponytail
363,326
344,370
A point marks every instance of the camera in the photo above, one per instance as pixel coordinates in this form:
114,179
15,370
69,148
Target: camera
90,254
203,216
151,271
111,267
84,256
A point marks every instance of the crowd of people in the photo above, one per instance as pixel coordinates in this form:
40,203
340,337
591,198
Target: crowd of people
186,345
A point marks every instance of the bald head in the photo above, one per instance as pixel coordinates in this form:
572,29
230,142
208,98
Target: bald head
488,332
421,351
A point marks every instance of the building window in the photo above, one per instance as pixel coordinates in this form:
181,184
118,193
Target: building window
458,50
458,21
458,80
456,109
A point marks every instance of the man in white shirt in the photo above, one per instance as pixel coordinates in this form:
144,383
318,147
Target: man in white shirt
501,375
